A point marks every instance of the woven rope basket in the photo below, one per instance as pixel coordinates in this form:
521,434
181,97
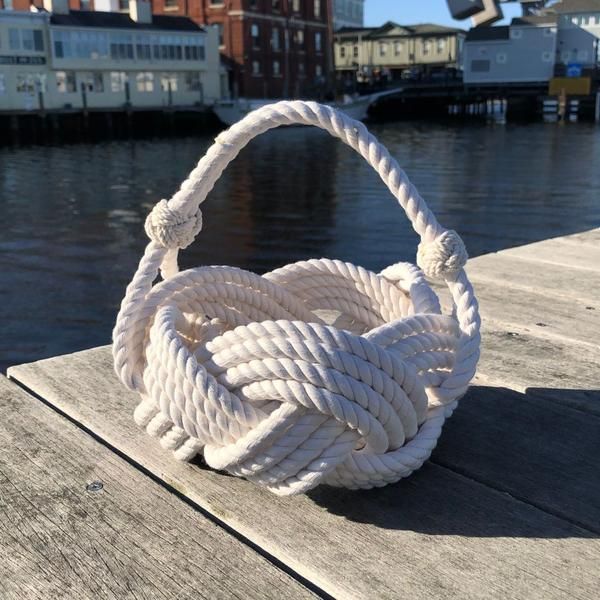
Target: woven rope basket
318,372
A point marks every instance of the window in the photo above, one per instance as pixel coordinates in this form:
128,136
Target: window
317,9
216,2
296,6
118,80
66,82
426,46
85,5
143,48
168,81
355,52
124,5
194,48
546,56
480,66
121,46
275,39
299,36
301,70
398,47
2,81
14,39
318,70
255,67
8,5
91,82
318,42
191,82
255,34
219,27
31,83
172,4
26,39
144,82
501,58
69,44
276,4
382,48
342,51
276,68
441,45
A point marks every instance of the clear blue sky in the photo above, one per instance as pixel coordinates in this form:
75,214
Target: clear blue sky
409,12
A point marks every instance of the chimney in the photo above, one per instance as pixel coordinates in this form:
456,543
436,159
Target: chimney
58,7
140,11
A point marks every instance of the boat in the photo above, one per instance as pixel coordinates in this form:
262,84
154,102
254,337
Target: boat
356,107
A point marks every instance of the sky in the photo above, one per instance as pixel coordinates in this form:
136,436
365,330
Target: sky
409,12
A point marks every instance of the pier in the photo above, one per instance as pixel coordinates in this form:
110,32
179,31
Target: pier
508,505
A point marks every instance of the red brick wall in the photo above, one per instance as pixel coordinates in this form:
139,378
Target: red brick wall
25,4
238,47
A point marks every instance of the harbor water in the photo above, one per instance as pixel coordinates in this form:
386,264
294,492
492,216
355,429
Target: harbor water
71,230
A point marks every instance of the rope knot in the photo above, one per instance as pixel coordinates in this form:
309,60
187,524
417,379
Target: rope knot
443,257
169,229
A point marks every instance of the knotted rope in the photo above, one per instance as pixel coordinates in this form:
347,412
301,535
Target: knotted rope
318,372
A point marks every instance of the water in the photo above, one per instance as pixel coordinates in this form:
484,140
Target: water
71,231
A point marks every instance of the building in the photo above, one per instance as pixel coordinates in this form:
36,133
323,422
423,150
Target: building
67,59
398,51
348,13
520,53
563,39
273,48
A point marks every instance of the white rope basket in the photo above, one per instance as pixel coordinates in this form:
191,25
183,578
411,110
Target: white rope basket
243,369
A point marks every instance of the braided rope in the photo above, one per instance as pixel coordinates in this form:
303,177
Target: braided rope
243,369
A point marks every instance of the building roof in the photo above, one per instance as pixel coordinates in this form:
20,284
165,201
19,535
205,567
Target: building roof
535,20
392,29
574,6
477,34
114,20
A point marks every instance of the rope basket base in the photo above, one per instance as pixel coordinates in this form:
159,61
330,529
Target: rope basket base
317,372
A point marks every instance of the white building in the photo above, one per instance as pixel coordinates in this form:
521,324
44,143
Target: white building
348,13
74,59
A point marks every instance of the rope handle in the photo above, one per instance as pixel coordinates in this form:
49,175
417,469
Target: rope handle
173,225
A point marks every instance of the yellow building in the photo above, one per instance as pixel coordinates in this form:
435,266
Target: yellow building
397,51
67,59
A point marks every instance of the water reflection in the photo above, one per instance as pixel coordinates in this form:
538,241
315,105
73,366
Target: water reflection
72,226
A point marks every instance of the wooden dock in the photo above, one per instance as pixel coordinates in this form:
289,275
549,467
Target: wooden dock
507,507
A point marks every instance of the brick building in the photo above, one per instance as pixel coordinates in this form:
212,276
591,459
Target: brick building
272,48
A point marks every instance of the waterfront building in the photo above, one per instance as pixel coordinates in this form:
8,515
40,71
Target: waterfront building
397,51
348,13
273,48
65,59
563,39
520,53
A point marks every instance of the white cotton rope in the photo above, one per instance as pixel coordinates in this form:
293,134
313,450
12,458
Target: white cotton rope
242,369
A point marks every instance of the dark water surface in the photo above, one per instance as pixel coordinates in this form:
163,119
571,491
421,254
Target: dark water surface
71,227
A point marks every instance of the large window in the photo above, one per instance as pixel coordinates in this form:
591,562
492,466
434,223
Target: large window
31,83
355,51
255,34
318,42
143,47
382,48
168,81
317,9
66,82
441,45
30,40
398,47
172,4
299,37
275,39
296,6
191,82
121,46
118,80
426,47
256,67
342,51
276,68
92,82
144,82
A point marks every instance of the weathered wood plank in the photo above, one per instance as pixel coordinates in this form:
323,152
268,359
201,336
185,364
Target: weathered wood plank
131,539
578,252
554,281
436,535
536,450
